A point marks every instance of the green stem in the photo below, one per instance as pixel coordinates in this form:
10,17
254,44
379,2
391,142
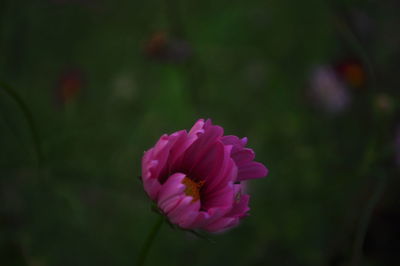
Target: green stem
29,118
149,241
364,222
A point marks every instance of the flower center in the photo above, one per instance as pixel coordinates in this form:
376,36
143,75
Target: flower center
192,188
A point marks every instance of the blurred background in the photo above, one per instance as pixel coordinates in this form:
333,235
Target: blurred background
87,85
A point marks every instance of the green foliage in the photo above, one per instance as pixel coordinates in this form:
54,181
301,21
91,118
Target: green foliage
248,71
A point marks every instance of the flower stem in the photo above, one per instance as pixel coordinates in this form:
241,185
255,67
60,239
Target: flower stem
365,220
149,241
12,93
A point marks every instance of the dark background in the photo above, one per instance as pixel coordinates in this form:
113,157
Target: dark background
88,85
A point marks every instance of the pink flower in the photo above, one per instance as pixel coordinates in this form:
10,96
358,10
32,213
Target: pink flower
197,178
328,91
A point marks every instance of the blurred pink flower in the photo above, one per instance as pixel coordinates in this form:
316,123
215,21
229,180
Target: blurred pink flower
197,178
328,91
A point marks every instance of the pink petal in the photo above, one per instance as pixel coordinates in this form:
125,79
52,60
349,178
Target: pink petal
171,187
220,224
180,147
230,140
181,144
197,127
210,164
186,220
200,147
161,171
243,156
171,203
147,165
152,187
185,206
220,198
201,219
223,174
241,208
146,160
237,143
213,215
252,170
226,180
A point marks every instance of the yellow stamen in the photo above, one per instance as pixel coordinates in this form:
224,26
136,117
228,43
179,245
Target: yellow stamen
192,188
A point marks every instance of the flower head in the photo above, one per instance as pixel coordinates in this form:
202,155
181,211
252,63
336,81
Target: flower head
328,91
69,85
165,48
196,178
